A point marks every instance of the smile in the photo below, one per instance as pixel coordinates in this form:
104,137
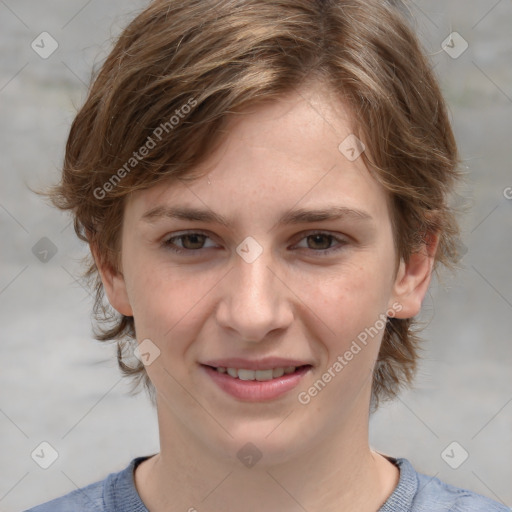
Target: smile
261,385
260,375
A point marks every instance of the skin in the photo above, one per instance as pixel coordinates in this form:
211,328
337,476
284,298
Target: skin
294,300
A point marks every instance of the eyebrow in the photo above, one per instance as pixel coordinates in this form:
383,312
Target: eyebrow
297,216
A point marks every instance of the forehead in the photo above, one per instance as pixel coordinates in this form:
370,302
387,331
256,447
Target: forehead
277,155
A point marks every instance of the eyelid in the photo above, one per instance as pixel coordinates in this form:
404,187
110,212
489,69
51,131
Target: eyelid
342,241
178,234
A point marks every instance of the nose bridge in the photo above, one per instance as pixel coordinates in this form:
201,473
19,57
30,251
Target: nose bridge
254,300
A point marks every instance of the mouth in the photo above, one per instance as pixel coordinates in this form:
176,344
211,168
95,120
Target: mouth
259,375
256,385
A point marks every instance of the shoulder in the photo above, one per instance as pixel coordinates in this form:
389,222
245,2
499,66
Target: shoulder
86,499
116,492
434,495
454,499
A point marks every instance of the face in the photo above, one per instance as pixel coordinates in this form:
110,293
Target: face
278,264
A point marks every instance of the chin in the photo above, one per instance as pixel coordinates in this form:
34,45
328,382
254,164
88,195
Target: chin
261,443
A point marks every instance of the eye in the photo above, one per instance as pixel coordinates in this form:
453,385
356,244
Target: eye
190,242
320,241
193,241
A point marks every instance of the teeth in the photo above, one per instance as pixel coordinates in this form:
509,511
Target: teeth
263,374
277,372
259,375
246,374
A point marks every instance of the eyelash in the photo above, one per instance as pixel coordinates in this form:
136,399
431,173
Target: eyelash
168,242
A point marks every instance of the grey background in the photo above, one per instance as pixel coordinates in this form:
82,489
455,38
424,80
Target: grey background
58,385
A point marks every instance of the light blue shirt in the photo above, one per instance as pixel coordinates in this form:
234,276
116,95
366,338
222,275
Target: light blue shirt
415,492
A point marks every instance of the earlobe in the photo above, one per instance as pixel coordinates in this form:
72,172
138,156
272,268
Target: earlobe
114,284
413,278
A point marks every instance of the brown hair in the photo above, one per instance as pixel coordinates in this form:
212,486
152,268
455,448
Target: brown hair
182,68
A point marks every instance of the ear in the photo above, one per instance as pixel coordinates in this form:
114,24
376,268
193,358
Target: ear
114,284
413,278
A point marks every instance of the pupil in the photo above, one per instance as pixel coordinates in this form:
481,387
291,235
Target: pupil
316,237
188,237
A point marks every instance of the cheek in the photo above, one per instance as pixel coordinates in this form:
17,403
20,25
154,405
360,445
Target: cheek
354,294
168,303
353,305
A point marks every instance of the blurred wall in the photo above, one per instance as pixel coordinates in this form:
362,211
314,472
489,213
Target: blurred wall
59,386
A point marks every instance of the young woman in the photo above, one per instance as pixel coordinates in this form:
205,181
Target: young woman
264,188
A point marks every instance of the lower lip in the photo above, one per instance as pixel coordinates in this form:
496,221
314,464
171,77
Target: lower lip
254,390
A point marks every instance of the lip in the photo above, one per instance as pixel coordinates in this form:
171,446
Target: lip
252,364
253,390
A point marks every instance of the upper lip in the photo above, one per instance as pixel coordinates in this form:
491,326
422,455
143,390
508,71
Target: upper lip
255,364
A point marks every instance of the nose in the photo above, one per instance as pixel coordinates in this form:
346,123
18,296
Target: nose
255,301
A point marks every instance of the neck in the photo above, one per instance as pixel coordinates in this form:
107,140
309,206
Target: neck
340,472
